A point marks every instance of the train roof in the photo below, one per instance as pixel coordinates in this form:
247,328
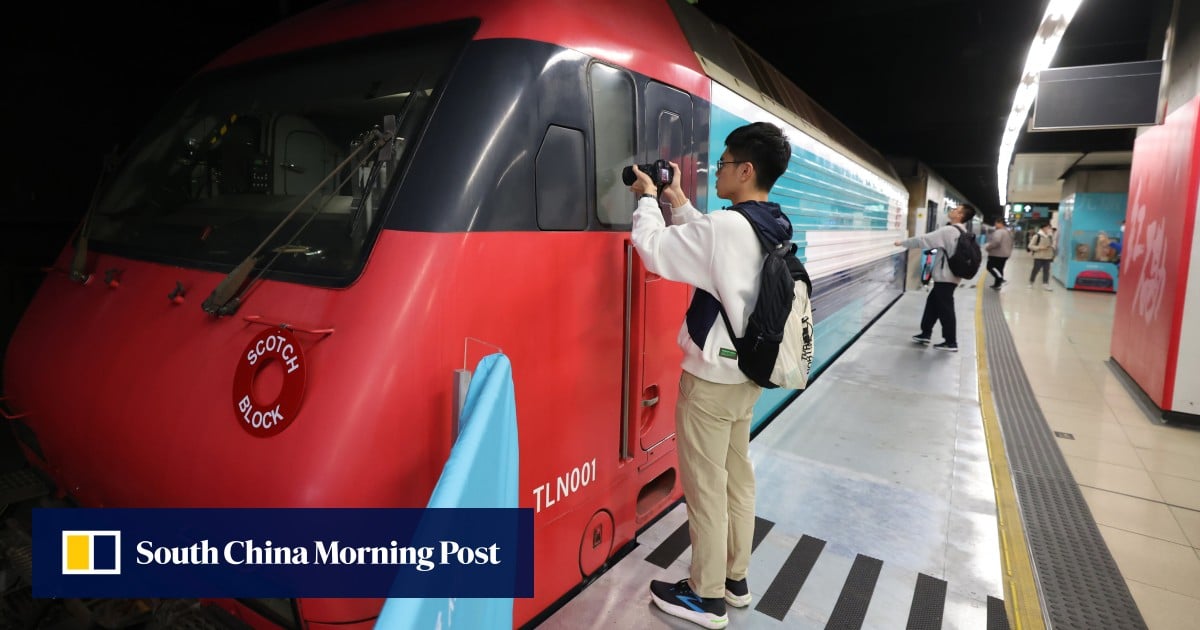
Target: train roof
641,36
638,35
729,61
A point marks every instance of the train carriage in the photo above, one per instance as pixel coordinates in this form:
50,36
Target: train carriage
411,186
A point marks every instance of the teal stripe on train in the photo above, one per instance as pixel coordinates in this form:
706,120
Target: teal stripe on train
815,193
843,306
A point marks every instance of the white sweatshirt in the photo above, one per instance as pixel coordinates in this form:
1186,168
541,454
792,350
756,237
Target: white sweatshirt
717,252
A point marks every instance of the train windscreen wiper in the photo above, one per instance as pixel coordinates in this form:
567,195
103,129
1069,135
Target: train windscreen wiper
79,263
227,296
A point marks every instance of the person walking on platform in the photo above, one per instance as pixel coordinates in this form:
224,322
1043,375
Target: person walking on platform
999,247
1041,245
719,254
939,306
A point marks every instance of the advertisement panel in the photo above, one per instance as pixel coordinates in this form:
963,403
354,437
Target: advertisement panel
1162,199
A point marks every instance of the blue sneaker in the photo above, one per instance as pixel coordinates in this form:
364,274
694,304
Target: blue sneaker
681,601
737,593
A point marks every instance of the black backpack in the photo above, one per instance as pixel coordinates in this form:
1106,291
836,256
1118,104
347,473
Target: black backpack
759,353
964,262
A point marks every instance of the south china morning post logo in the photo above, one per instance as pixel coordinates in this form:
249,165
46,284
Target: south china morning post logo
283,552
335,552
91,552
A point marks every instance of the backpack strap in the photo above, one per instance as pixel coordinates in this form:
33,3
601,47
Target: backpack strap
728,326
767,247
946,255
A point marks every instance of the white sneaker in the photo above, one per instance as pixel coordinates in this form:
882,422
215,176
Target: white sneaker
1047,287
1030,286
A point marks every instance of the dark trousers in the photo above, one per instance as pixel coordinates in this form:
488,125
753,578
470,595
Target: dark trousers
995,266
939,307
1044,265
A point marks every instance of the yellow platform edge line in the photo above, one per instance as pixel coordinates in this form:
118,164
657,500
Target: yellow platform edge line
1021,599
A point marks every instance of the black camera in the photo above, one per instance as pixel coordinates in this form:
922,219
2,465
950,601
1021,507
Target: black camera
660,173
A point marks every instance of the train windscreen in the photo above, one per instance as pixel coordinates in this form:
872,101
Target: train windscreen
237,151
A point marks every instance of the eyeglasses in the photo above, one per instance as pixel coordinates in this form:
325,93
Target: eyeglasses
720,165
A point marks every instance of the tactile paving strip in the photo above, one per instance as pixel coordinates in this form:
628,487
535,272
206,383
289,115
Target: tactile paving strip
791,577
851,607
997,618
928,604
1080,584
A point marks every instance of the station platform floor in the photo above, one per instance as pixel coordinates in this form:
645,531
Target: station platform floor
1139,476
878,502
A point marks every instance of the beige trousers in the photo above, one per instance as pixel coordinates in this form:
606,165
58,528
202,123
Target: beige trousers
712,422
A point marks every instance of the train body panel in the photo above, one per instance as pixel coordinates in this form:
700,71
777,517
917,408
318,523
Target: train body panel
154,384
375,425
498,223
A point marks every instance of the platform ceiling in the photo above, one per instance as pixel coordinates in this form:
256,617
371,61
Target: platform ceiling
935,79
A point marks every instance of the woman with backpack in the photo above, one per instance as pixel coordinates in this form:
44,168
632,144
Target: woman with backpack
1041,245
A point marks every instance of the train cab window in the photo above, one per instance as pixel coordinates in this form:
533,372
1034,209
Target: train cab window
237,154
614,111
559,179
238,149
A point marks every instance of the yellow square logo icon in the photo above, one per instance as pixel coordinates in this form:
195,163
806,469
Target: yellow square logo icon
91,552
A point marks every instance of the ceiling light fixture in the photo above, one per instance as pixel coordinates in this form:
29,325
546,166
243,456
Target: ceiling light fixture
1041,53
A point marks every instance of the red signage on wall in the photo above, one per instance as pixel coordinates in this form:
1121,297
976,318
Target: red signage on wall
1162,193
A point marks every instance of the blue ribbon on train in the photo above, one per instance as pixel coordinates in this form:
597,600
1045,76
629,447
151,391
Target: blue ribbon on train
482,471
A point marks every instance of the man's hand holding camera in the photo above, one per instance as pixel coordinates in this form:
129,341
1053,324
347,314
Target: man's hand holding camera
645,184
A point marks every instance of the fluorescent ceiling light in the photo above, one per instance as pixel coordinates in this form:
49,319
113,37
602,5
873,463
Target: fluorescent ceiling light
1041,53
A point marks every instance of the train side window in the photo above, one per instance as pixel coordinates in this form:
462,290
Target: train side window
560,180
614,110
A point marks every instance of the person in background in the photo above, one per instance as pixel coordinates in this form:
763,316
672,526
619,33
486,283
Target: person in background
999,247
939,306
1041,244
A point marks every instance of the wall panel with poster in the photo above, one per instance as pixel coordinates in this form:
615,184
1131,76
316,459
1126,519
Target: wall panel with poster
1089,240
1150,323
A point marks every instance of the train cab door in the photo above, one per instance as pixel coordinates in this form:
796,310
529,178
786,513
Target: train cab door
658,304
